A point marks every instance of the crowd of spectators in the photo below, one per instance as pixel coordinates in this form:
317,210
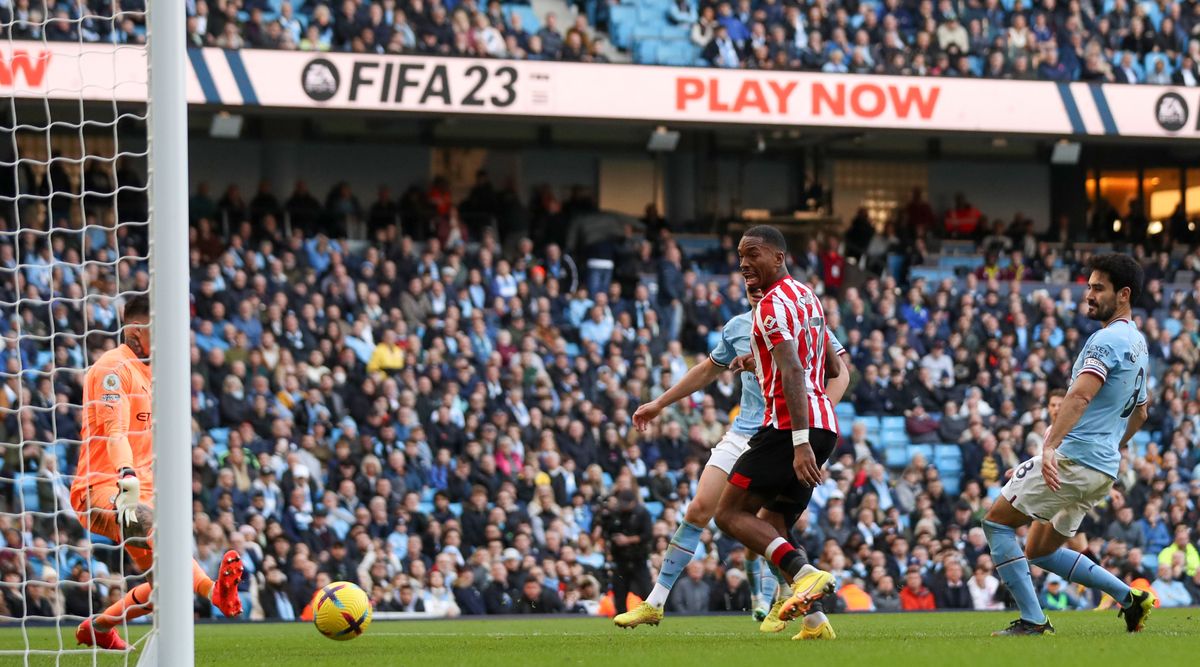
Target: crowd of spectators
1087,40
442,414
1119,41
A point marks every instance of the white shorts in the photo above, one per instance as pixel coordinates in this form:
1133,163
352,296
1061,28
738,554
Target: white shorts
1082,489
727,452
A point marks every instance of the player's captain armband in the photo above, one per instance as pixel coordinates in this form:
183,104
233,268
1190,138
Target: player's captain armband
111,382
1098,359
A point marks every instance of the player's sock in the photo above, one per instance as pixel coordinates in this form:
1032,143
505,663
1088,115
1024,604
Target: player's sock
784,581
679,554
201,582
769,582
815,617
754,570
1014,570
1079,569
786,557
135,604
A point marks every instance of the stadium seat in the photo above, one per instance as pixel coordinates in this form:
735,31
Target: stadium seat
623,19
947,453
895,457
892,423
894,438
923,450
425,507
655,509
529,18
1152,58
456,509
1141,440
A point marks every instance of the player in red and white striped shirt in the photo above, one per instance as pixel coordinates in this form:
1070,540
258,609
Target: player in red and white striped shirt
791,309
784,461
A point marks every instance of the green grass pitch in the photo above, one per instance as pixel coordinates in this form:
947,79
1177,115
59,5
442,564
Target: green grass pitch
1091,639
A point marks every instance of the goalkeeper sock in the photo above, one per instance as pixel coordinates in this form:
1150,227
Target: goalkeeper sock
1014,570
754,570
135,604
201,582
679,554
1079,569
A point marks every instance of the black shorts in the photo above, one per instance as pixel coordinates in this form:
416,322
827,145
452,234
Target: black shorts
766,468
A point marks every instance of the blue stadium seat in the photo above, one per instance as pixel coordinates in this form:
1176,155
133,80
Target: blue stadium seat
1140,440
872,424
894,438
924,450
1152,58
947,455
220,435
425,507
427,496
456,509
952,483
623,19
892,423
529,18
895,457
655,509
645,51
845,411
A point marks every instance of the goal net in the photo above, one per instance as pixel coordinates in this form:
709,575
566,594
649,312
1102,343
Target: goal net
76,239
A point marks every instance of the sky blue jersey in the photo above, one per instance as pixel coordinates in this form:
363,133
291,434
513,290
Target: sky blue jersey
735,341
1117,355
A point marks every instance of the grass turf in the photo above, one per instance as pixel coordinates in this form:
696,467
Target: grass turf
1086,639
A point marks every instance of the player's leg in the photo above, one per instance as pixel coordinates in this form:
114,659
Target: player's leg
93,506
1046,547
812,584
683,544
1000,526
754,569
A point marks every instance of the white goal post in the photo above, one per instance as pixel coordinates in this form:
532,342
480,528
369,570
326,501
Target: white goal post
90,120
170,341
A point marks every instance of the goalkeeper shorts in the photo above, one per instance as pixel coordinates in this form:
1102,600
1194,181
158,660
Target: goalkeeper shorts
97,512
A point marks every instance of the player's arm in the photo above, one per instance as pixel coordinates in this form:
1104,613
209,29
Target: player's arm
698,377
795,393
835,387
1079,396
1140,413
112,414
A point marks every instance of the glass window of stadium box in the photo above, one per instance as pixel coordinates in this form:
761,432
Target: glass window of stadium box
1191,193
1119,188
1163,192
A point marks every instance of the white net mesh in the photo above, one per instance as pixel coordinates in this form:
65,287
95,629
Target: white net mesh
73,247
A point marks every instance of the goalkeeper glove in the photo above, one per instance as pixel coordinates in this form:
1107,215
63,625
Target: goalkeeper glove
128,493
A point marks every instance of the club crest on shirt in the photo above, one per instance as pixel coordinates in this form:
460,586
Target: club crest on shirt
111,382
770,323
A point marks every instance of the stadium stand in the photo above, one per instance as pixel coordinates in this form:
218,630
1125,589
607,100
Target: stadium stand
1116,41
422,407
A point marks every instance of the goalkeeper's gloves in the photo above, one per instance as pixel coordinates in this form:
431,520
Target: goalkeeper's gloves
128,493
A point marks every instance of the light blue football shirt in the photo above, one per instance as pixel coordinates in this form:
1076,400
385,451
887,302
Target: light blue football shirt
1117,354
734,342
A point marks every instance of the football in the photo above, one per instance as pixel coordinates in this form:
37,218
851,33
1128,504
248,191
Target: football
341,611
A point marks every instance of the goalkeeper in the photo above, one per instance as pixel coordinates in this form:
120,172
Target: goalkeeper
113,492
